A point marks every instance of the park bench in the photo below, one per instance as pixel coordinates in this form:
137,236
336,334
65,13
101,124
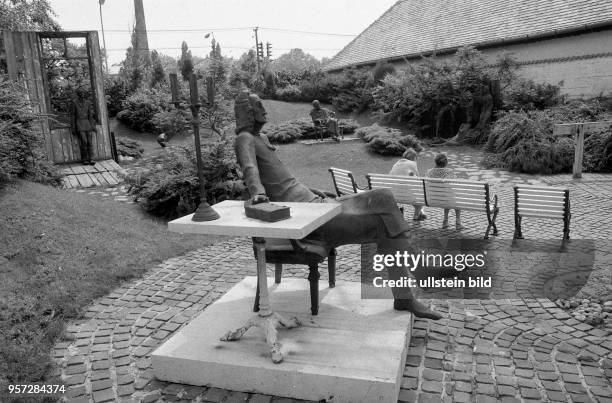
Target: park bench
344,181
405,189
541,202
463,195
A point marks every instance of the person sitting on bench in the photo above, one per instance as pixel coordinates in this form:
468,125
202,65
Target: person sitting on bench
407,166
371,216
324,120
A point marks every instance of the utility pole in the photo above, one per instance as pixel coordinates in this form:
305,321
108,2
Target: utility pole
257,46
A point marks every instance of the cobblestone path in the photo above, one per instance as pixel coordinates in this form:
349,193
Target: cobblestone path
487,350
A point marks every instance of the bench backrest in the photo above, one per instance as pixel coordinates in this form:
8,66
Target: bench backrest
456,193
344,182
405,189
537,201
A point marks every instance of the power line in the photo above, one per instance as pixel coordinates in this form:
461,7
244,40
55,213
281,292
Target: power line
195,30
226,47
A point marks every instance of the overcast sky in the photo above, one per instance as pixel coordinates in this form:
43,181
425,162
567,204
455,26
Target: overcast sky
169,22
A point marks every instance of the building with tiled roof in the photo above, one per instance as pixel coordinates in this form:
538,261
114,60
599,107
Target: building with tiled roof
568,41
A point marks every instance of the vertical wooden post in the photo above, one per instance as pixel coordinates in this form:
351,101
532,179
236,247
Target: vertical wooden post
579,150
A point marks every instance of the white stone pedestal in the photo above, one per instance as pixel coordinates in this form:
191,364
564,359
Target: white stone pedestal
353,351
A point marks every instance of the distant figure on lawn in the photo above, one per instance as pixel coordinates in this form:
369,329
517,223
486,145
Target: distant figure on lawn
407,166
162,140
442,172
370,216
84,124
324,120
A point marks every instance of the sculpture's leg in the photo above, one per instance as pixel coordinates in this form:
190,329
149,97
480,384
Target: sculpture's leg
288,323
262,278
269,327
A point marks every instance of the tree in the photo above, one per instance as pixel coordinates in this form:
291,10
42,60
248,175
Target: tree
296,60
27,15
217,68
134,68
185,63
158,75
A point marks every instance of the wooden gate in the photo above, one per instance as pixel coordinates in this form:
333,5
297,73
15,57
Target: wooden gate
24,61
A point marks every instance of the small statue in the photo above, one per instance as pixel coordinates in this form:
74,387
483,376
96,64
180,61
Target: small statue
371,216
162,140
324,120
84,124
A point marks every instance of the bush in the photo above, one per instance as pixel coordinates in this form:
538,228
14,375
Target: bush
129,148
598,151
523,142
140,108
388,141
290,93
171,188
22,149
293,130
171,122
116,90
528,95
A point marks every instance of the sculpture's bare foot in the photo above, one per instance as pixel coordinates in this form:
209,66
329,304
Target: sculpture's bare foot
419,310
277,356
289,323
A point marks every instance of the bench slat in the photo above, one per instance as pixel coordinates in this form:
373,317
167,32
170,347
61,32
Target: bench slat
544,203
541,188
455,183
543,207
458,205
535,212
444,187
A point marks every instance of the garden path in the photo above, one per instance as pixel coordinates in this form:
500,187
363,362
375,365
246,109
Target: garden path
512,350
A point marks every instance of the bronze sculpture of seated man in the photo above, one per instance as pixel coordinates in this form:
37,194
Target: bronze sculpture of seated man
371,216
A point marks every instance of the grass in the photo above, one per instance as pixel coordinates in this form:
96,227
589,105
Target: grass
59,251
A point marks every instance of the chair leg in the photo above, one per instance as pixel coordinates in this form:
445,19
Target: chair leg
278,272
331,267
256,303
313,278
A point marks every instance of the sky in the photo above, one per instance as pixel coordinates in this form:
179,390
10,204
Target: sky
319,27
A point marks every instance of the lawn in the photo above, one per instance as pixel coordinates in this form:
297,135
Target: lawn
59,251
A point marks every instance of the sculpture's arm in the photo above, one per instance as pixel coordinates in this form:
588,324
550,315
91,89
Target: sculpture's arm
247,159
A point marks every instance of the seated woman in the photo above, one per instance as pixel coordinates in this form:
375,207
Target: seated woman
442,172
407,166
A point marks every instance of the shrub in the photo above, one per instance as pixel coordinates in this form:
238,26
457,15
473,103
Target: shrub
523,142
129,148
140,108
171,122
388,141
22,150
528,95
116,90
293,130
598,151
290,93
171,188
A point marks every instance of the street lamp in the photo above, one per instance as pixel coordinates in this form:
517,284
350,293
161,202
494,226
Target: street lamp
101,2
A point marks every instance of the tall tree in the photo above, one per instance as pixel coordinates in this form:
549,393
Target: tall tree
295,60
158,75
185,63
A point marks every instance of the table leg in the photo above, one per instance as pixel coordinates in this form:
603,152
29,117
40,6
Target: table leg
267,320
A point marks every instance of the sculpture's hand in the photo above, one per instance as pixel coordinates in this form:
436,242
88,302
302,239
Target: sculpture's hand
260,199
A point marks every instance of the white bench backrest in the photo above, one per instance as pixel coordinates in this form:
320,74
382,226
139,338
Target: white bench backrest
456,193
405,189
343,181
536,201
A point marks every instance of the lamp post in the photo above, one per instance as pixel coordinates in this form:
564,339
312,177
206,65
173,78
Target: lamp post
101,3
204,211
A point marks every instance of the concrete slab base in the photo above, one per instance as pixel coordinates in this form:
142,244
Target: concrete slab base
353,351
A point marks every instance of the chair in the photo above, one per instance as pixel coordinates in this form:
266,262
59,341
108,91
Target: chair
283,251
541,202
322,127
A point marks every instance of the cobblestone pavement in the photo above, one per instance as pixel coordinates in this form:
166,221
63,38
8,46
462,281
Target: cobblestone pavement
484,350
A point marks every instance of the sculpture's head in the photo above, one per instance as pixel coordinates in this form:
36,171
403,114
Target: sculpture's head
250,113
316,104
